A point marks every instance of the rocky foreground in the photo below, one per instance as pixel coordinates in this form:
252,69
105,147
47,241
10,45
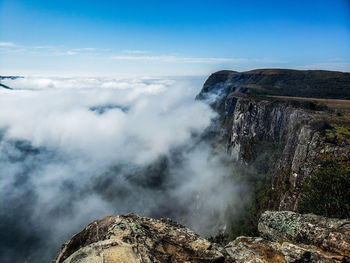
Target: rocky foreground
285,237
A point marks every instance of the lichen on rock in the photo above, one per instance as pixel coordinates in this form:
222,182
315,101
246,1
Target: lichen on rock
286,237
130,238
326,233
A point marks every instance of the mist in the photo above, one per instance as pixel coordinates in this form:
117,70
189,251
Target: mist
73,150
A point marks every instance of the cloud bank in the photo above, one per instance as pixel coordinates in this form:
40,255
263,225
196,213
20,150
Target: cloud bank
76,149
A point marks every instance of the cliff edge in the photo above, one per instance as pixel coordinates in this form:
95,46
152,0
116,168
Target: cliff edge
286,237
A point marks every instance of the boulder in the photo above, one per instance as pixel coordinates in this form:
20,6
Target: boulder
259,250
328,234
131,238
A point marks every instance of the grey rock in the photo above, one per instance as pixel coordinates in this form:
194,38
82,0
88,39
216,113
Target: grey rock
130,238
328,234
258,250
286,237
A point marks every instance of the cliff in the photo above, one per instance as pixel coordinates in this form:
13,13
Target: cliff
285,137
286,237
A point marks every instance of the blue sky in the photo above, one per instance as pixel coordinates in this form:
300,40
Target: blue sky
41,37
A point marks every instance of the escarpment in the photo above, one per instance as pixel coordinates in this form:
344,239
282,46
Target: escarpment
286,237
267,118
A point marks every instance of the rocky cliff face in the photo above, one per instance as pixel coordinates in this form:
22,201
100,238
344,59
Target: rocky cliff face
287,237
288,133
294,131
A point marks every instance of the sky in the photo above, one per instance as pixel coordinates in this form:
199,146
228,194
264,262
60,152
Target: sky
168,38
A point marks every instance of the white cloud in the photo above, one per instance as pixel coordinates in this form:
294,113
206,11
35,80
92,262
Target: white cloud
67,53
41,47
7,44
173,59
76,126
131,51
85,49
179,59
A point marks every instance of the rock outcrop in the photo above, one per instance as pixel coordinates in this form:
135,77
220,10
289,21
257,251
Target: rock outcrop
292,237
286,237
130,238
328,234
259,250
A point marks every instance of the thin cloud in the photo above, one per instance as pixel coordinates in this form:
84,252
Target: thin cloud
135,52
170,58
68,53
173,59
85,49
46,50
42,47
7,44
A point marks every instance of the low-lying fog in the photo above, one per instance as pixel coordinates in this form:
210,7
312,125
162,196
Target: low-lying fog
73,150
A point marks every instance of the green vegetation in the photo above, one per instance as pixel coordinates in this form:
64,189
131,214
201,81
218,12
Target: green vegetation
286,82
337,134
327,193
243,216
251,206
296,103
260,151
255,194
317,84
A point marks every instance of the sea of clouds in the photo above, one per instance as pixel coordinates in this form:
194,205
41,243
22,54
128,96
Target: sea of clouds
73,150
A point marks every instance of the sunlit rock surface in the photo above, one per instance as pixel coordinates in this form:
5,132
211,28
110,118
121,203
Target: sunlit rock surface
286,237
130,238
256,249
326,233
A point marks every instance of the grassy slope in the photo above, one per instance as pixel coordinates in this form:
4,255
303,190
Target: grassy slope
286,82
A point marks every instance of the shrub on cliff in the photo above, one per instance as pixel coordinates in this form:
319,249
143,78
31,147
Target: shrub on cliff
327,192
